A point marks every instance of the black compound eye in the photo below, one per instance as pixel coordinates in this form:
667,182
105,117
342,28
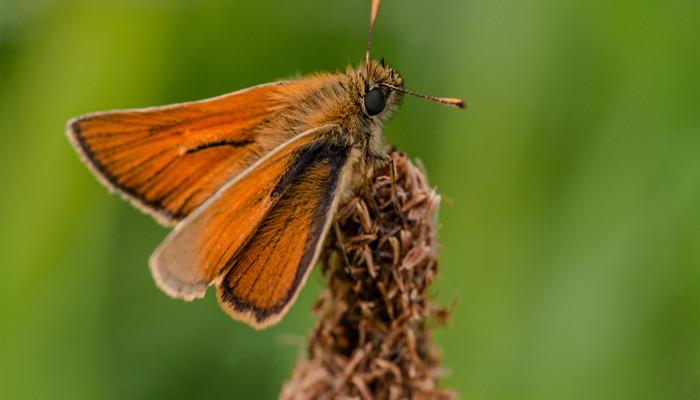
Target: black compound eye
374,101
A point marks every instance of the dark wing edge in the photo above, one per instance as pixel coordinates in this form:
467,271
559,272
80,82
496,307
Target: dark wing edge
105,178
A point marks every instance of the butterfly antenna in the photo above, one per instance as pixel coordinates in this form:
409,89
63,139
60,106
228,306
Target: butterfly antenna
458,103
372,18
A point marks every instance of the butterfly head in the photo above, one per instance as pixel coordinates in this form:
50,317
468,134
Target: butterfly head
374,82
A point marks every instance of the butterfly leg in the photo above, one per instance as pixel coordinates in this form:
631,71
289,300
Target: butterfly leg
340,244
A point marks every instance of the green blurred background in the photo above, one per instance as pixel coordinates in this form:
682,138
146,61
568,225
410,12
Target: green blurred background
571,220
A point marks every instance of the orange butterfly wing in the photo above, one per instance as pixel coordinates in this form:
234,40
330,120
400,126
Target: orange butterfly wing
169,160
263,278
210,239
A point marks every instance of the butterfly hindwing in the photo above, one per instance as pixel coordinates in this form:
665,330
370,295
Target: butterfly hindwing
169,160
264,277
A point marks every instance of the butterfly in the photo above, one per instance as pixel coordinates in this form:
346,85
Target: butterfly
250,180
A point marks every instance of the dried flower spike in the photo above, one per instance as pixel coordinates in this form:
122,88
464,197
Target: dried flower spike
372,339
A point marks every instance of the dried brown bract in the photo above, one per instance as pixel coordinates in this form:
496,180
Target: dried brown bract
372,339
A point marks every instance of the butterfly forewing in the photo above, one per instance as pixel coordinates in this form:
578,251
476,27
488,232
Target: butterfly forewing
169,160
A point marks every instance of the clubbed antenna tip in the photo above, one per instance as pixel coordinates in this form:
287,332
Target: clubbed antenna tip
453,102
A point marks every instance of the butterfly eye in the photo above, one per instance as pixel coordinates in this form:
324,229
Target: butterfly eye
374,102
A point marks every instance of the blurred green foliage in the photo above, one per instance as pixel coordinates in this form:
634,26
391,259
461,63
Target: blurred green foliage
571,220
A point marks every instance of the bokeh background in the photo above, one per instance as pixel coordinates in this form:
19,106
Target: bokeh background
571,220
